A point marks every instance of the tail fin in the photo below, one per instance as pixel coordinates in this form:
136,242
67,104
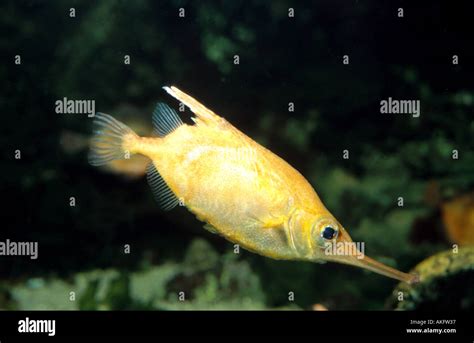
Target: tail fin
107,143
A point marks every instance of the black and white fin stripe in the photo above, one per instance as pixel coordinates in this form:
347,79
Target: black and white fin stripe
165,197
165,120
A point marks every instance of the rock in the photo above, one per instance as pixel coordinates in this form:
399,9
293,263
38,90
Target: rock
446,283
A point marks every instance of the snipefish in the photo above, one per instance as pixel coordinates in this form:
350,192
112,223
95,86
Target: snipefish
240,189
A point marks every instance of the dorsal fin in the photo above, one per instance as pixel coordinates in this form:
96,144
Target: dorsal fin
161,191
202,113
165,120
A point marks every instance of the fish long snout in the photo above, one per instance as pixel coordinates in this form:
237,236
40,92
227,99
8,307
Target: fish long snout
380,268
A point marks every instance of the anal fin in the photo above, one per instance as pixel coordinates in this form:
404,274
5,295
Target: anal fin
163,194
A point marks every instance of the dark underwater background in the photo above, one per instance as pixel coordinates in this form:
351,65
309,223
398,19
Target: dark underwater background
282,59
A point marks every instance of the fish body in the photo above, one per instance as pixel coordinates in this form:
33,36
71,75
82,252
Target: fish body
240,189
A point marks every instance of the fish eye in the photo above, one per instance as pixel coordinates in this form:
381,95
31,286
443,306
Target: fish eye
329,232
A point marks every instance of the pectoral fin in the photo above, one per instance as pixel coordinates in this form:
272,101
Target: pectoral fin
211,228
273,223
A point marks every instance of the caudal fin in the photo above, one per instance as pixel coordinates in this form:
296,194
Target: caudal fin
107,143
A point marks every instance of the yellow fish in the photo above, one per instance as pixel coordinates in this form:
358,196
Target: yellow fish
240,189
